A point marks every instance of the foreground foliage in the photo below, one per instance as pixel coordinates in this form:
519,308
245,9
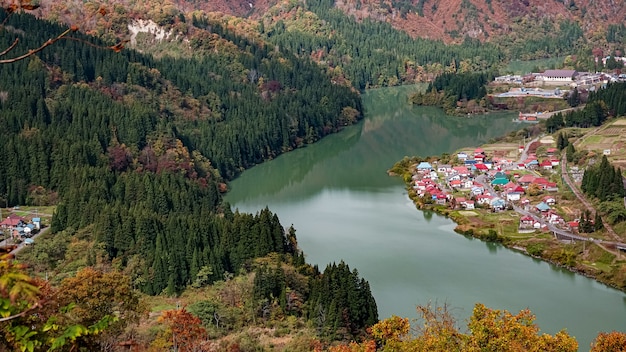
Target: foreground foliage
488,330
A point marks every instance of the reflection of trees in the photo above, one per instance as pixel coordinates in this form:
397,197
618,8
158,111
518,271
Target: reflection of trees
358,157
288,169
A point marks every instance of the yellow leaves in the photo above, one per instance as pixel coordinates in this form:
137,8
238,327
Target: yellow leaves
611,341
18,291
392,328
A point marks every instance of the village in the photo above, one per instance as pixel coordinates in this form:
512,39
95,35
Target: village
18,230
477,180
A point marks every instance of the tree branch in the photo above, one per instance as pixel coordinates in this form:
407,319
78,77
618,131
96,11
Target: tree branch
32,51
10,47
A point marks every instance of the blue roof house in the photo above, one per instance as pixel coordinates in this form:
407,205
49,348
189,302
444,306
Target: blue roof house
424,166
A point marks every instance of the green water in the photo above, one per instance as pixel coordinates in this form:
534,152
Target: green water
344,206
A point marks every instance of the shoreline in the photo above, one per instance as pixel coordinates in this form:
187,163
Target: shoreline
465,227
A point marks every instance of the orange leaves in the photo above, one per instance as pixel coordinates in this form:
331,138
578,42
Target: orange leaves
12,8
611,341
390,329
102,11
22,4
187,331
119,46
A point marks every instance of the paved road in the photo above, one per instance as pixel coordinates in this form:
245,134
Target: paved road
22,245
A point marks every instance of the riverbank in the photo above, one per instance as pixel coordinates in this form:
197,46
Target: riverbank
472,203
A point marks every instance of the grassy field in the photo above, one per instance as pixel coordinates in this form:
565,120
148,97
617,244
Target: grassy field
524,67
609,138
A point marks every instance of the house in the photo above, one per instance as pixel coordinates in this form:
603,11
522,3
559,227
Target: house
499,174
478,151
454,177
455,183
531,163
573,225
424,167
555,162
551,151
461,171
526,180
461,156
513,196
499,181
542,207
498,203
477,190
546,165
444,168
37,223
550,200
467,184
12,220
483,199
469,204
527,220
481,167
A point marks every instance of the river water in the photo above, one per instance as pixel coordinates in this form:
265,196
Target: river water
344,207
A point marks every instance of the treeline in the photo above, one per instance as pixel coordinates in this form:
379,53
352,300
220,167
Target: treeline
603,181
371,53
133,149
449,88
601,104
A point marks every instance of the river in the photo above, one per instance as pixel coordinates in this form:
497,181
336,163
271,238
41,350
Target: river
344,207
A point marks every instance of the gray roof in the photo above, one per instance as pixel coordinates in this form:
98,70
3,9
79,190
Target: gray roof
559,73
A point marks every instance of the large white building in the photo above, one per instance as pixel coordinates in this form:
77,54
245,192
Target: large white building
557,76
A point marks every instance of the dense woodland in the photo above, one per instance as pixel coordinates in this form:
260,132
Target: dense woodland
601,105
133,151
449,88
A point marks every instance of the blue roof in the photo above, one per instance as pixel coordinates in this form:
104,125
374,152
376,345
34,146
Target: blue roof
36,219
500,181
543,206
424,165
499,174
30,226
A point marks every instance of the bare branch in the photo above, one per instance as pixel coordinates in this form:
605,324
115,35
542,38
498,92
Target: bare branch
10,47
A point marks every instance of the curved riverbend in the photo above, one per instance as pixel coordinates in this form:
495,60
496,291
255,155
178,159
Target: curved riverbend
345,207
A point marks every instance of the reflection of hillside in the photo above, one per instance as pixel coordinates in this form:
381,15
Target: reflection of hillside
291,168
359,157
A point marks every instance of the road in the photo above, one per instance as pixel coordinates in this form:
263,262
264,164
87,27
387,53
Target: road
22,245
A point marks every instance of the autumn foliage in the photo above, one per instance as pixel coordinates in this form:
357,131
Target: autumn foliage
184,329
488,330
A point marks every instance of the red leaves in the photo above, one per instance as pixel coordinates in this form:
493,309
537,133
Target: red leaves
23,4
119,46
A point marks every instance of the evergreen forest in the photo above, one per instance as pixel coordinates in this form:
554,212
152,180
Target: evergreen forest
136,151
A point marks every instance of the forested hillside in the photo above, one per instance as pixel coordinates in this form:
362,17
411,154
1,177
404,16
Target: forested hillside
371,43
135,152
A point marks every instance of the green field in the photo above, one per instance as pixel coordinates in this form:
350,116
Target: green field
524,67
